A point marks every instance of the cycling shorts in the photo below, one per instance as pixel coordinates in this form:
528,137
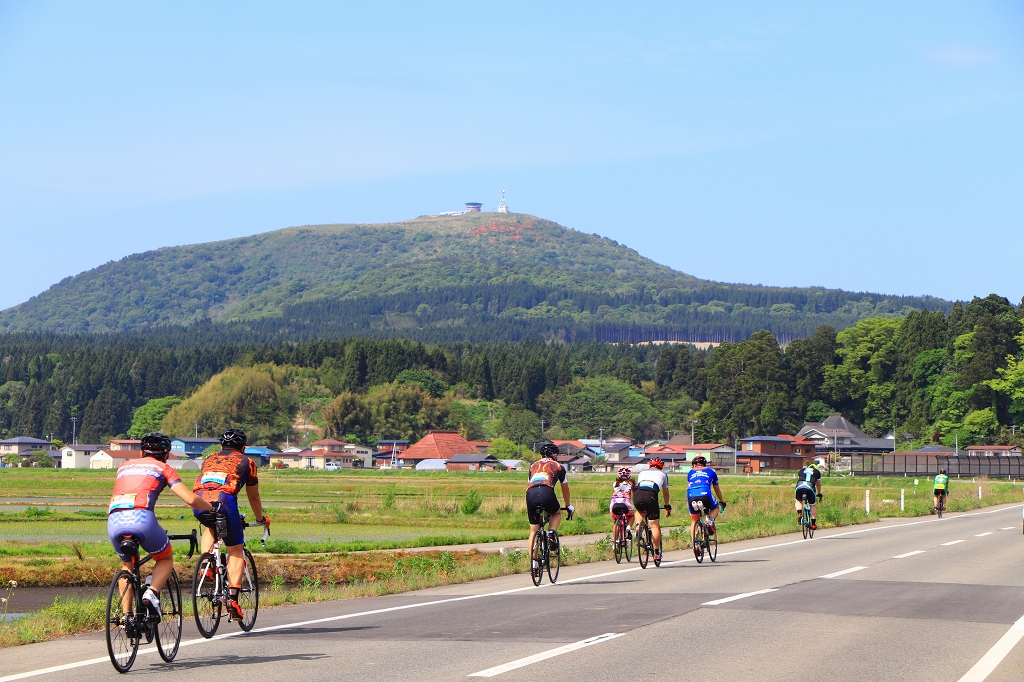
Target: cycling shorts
806,495
229,505
620,508
540,496
143,525
708,501
940,491
646,501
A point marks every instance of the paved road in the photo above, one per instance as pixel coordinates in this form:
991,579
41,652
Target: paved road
923,599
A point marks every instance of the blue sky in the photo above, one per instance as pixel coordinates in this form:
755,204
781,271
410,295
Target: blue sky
868,146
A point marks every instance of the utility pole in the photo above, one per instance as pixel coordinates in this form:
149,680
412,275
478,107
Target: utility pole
195,424
600,432
693,425
74,431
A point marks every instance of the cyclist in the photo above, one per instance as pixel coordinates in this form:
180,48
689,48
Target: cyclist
941,488
541,491
701,481
138,485
622,499
808,482
223,475
645,498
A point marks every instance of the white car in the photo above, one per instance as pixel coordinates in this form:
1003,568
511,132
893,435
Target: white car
332,466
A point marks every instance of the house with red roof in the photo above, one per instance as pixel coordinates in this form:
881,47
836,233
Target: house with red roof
438,445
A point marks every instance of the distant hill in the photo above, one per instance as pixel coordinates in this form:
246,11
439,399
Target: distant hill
474,277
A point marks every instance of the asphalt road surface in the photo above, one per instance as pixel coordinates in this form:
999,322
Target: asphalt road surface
902,599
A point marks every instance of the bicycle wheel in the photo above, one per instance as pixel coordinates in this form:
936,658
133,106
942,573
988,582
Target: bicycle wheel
249,593
712,546
643,549
698,542
554,558
537,557
168,630
629,548
206,595
942,505
122,627
620,540
810,528
805,522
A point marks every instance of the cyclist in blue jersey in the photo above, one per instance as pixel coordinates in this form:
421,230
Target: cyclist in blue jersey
702,480
808,487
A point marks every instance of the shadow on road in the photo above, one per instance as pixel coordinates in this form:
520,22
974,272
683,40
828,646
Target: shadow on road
231,659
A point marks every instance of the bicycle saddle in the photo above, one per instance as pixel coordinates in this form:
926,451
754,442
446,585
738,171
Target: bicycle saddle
130,544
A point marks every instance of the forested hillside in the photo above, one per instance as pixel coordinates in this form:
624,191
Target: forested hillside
935,377
483,277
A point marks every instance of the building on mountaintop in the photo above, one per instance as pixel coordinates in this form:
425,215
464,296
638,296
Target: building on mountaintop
474,207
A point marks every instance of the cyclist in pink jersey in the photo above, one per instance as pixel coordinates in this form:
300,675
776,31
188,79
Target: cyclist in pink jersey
139,484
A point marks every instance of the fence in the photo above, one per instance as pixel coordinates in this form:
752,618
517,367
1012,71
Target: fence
955,465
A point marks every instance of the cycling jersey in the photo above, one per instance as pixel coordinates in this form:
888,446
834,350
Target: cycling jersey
225,472
651,479
140,482
942,482
700,481
545,472
807,477
622,494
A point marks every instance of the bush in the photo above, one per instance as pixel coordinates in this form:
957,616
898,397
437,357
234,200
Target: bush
472,502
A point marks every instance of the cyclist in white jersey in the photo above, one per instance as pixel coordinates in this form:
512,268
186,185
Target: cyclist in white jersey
645,499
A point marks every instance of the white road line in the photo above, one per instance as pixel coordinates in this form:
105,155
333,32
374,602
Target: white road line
904,556
544,655
981,535
954,542
996,654
1009,528
839,573
94,661
739,596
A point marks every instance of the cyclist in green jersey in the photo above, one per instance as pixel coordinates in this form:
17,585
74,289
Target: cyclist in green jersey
941,487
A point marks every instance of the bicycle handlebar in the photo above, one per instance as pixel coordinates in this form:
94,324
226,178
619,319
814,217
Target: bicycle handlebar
193,542
266,530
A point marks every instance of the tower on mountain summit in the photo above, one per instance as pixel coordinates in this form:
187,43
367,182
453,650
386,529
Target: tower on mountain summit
502,206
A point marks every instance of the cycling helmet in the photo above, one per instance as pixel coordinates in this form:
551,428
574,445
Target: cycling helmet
549,450
156,445
701,460
234,439
942,471
625,472
656,463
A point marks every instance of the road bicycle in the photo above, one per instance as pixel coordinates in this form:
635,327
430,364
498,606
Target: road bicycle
545,553
210,580
645,543
704,540
129,620
805,520
623,539
942,505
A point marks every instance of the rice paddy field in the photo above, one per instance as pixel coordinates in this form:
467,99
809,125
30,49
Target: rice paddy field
53,522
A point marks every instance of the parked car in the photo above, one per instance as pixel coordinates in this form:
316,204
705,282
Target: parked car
332,466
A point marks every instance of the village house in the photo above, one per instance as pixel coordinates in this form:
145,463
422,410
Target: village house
192,447
473,462
112,459
765,453
123,444
994,450
77,456
719,455
436,445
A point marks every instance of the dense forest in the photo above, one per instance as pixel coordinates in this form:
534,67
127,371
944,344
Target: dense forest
480,278
929,375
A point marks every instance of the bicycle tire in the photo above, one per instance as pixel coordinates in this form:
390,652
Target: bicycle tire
206,596
698,542
537,558
810,526
712,542
620,542
122,631
629,549
805,524
168,630
942,505
554,561
643,550
249,593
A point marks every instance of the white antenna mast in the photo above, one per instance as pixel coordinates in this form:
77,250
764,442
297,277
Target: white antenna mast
502,206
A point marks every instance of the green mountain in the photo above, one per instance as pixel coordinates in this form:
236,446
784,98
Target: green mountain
474,277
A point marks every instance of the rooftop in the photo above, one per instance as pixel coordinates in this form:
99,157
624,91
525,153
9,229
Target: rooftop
24,440
440,445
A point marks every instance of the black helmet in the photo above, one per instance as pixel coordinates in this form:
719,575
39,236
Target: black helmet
701,460
942,471
235,439
549,450
156,445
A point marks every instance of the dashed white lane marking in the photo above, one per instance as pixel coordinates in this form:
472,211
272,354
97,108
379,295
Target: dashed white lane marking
953,542
904,556
996,654
739,596
94,661
981,535
839,573
545,655
1009,528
